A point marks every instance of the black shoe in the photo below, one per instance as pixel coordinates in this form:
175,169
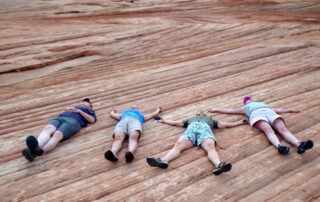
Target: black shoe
28,155
305,146
33,145
283,150
109,155
223,167
129,156
157,162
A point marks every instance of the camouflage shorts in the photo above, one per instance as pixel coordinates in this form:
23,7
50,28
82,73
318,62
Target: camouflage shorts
197,132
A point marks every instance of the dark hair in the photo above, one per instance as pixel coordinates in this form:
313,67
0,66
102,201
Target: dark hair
88,101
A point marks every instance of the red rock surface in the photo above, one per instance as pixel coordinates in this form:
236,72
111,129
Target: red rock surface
182,55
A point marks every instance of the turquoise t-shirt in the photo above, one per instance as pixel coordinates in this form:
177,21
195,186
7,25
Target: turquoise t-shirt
133,113
249,108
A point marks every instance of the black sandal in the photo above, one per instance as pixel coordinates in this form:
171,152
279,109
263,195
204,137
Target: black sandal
28,155
283,150
157,162
305,146
222,167
129,156
109,155
33,145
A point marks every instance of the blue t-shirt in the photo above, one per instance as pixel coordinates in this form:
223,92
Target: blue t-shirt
83,122
249,108
133,113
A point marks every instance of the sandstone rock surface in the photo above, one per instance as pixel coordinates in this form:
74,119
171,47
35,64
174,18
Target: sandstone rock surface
182,55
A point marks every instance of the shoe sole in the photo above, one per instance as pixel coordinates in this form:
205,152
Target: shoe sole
110,156
32,143
27,155
308,145
284,152
225,168
129,157
154,163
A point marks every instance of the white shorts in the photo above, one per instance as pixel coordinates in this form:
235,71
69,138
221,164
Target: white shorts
128,124
265,114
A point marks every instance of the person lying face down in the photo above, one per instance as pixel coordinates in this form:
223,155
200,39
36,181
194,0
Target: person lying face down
267,119
198,133
60,128
129,128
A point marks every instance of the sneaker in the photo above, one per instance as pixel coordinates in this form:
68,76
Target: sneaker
222,167
129,156
305,146
109,155
28,155
157,162
283,150
33,145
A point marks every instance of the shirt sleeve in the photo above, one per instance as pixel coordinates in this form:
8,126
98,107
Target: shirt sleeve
185,123
92,113
215,123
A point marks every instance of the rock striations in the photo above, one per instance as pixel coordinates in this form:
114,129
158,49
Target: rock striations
182,55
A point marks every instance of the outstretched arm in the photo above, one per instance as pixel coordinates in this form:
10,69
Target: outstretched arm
222,124
281,111
173,123
155,113
113,114
228,111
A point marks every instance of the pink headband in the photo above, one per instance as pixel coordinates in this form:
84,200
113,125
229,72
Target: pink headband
245,99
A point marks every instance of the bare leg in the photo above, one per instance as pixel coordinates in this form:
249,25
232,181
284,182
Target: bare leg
282,129
118,140
45,135
181,145
209,146
268,131
133,140
54,140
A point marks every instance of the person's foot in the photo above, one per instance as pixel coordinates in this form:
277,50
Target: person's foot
157,162
28,155
129,156
109,155
283,150
305,146
33,145
222,167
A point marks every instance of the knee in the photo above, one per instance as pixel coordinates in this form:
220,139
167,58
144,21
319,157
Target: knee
179,145
119,136
267,130
58,135
134,135
49,128
209,144
282,129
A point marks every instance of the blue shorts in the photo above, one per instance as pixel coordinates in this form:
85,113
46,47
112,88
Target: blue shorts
197,132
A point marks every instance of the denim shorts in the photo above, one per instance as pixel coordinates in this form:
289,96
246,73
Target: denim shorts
197,132
67,125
